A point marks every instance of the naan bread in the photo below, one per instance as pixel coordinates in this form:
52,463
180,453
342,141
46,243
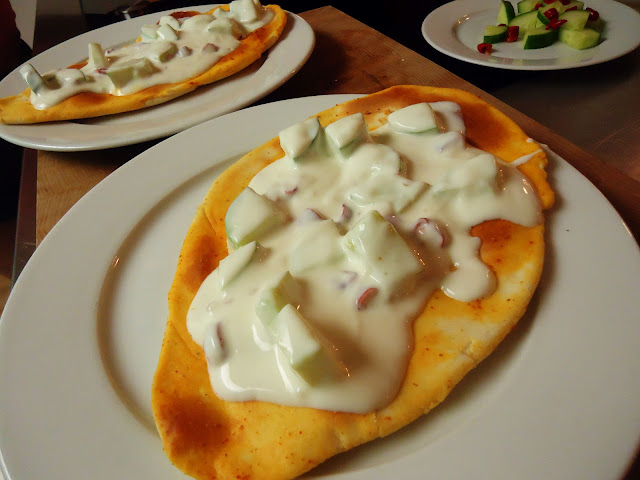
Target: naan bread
19,110
210,438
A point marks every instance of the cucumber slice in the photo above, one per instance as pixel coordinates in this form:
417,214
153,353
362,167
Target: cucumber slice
526,21
525,6
539,38
506,13
96,56
495,34
580,39
576,19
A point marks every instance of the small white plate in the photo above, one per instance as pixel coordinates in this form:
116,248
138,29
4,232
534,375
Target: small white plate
82,329
457,27
275,67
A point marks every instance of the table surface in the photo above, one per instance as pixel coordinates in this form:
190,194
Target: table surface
351,57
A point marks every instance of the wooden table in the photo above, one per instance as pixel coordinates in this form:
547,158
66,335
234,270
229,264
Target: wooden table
349,57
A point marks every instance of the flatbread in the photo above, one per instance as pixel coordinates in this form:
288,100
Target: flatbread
19,110
207,437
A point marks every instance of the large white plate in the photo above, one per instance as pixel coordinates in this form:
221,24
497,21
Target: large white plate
82,329
456,29
275,67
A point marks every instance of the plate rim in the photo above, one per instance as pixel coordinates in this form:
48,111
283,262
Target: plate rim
147,159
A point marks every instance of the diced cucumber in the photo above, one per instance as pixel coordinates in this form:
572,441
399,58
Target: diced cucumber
539,38
576,19
305,350
526,21
580,39
33,78
167,32
244,10
349,132
162,51
506,13
419,117
197,22
149,33
395,190
171,21
233,264
548,6
525,6
272,299
227,26
495,33
250,216
123,73
297,139
97,57
542,18
375,245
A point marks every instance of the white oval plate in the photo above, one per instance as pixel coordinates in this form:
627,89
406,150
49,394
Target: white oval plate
457,27
81,334
275,67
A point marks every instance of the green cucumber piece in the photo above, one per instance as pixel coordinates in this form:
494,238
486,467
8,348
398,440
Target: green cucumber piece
526,21
525,6
506,12
579,39
495,33
576,19
539,38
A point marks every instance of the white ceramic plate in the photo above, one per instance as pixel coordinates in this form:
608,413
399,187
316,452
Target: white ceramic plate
457,27
82,329
275,67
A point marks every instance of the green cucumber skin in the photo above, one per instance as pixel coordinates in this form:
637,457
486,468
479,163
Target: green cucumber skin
539,38
576,19
506,12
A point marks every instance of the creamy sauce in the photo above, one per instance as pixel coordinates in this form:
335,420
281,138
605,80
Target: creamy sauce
355,230
172,51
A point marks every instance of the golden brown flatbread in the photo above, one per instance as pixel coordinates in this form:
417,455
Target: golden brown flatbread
19,110
206,437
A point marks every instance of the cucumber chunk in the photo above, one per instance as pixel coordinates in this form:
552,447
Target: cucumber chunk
539,38
308,353
250,216
418,118
525,6
233,264
123,73
297,139
96,56
506,12
272,299
33,78
495,33
526,21
580,39
576,19
349,132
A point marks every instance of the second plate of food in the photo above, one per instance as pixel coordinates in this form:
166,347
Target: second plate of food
457,28
275,67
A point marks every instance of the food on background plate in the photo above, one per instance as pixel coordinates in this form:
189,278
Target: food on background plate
541,23
338,281
171,58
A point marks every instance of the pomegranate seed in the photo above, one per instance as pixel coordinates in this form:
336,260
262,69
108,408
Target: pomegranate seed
512,33
291,191
593,14
554,24
575,7
538,5
551,13
366,297
565,2
549,1
502,24
485,48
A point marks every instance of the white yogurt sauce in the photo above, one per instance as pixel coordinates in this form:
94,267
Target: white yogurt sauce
356,279
172,51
